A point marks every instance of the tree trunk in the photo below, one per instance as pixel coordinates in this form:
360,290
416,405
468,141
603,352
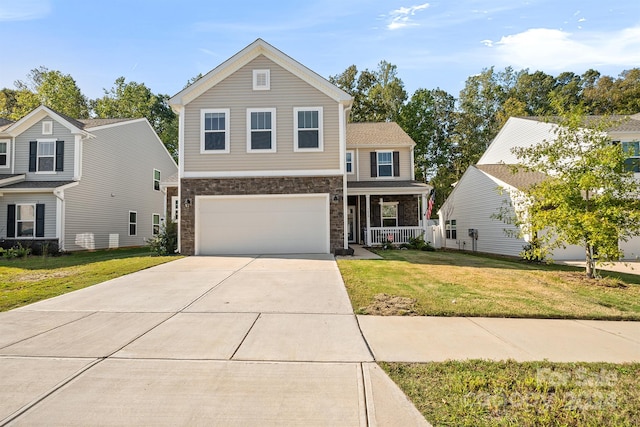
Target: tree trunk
589,263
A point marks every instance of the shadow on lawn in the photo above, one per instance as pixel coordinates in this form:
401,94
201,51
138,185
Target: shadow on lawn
477,260
73,259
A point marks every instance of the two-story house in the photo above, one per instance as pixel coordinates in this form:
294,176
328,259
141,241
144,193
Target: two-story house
468,216
80,184
264,162
385,203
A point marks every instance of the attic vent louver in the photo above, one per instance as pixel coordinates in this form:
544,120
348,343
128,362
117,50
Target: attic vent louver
261,80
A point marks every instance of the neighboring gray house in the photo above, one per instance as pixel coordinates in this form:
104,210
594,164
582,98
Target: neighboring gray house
490,184
80,184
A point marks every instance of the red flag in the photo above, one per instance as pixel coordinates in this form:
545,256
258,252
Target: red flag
432,200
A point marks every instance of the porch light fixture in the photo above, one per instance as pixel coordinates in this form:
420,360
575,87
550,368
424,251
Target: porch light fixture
187,203
337,198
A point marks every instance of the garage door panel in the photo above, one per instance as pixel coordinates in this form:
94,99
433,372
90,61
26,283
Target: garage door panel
262,224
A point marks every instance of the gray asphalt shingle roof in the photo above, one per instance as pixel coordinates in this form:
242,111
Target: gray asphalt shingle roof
379,133
520,179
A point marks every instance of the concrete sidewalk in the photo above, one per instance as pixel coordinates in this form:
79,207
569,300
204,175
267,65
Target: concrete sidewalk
198,341
429,339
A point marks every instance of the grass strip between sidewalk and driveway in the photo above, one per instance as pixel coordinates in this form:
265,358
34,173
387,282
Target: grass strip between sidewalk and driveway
483,393
27,280
459,284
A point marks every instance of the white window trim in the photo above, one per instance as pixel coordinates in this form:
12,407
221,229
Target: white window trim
47,127
227,133
352,162
38,171
273,148
129,223
267,86
153,216
382,217
8,153
378,164
33,234
158,180
295,130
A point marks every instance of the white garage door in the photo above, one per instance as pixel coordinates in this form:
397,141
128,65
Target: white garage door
262,224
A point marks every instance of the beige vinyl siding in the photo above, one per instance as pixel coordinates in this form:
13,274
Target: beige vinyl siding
49,201
362,164
33,134
117,178
236,93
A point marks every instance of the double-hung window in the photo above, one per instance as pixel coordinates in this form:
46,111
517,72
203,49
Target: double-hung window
261,130
307,124
214,137
133,223
46,155
385,163
25,220
632,149
155,224
451,229
4,154
349,162
389,214
156,179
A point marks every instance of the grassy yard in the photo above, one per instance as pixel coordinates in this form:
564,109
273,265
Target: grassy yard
458,284
27,280
482,393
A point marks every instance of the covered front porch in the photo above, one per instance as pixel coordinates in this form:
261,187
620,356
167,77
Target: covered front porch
382,211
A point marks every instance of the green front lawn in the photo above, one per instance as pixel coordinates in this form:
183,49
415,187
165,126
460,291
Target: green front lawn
27,280
459,284
482,393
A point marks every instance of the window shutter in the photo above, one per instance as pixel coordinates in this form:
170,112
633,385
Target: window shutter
59,156
40,220
374,164
33,155
400,222
396,163
11,221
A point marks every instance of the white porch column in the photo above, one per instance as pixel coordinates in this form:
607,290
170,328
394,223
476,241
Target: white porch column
368,233
381,219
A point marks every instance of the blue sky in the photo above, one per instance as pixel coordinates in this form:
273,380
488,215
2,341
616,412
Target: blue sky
437,43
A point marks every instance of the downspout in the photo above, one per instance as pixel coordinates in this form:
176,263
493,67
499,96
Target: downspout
60,216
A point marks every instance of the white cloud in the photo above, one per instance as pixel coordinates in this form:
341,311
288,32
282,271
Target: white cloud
549,49
24,10
402,17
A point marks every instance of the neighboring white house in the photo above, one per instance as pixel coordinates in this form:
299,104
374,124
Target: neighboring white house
268,165
80,184
467,217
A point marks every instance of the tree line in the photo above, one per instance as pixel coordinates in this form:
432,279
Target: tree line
450,133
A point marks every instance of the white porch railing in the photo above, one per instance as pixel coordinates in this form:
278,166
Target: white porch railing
379,235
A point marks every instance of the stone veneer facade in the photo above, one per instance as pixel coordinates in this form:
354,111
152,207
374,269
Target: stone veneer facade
192,187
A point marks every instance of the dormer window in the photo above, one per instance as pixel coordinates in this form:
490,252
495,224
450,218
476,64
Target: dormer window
47,127
261,79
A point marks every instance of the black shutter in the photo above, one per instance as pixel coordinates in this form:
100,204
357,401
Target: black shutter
400,222
396,163
33,155
59,156
40,220
11,221
374,164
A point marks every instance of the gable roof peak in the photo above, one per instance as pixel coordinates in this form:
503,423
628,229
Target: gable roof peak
243,57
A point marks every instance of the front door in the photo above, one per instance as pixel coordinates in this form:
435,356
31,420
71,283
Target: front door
351,220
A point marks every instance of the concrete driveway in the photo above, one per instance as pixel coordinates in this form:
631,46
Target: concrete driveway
198,341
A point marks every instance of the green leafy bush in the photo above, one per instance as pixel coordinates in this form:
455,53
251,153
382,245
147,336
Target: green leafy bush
166,241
